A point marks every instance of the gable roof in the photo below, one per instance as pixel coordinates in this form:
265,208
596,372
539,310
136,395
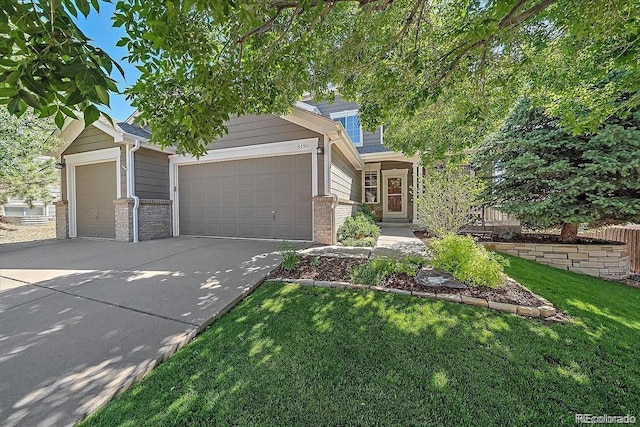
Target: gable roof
134,130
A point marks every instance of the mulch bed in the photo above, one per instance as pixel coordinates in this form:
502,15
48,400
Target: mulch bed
338,269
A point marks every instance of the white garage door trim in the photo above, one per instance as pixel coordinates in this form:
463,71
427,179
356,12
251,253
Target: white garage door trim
81,159
285,148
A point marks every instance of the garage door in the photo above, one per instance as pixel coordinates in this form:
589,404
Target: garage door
95,193
264,198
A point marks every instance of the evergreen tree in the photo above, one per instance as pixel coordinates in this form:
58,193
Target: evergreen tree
546,176
24,172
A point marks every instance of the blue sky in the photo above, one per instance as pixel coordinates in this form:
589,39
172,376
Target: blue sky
98,27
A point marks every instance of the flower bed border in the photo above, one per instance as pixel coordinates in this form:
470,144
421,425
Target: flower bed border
544,310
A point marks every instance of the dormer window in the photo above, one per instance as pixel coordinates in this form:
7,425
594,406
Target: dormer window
351,122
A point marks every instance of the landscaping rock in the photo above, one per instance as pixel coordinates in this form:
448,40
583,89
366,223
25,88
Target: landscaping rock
340,284
430,277
547,311
478,302
419,294
507,308
528,311
400,291
449,297
304,282
322,284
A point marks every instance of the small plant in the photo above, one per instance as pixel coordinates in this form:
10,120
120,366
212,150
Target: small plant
378,269
366,211
359,230
467,261
315,261
289,254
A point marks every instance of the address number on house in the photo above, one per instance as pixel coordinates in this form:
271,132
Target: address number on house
303,146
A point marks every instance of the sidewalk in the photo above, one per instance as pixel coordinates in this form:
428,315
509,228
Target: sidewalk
393,242
398,242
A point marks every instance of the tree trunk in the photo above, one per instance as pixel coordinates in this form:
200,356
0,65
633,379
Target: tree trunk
569,232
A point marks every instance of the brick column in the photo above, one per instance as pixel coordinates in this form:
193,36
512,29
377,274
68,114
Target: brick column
124,219
62,219
323,220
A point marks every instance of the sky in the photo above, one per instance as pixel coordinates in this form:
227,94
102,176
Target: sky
98,27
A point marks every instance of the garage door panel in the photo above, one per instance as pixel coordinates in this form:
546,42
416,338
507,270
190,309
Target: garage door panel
95,192
247,192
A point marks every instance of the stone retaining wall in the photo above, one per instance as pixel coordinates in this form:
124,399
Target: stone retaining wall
607,260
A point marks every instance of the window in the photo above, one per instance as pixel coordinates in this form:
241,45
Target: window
371,183
371,186
351,122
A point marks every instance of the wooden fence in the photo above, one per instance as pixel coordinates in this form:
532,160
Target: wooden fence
629,234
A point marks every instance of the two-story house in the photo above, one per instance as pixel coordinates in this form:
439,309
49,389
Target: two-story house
295,177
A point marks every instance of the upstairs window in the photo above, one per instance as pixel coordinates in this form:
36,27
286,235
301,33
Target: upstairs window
351,122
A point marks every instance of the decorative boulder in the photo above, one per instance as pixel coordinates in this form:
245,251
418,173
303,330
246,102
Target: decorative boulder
430,278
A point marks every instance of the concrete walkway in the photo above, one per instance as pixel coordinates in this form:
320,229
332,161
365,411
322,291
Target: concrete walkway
80,319
395,241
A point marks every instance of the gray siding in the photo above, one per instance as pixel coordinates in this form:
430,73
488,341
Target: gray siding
152,174
346,181
326,108
92,139
266,129
253,130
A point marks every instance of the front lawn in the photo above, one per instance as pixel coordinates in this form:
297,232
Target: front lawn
291,355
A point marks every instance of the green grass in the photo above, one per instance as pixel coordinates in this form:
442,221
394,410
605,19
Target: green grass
291,355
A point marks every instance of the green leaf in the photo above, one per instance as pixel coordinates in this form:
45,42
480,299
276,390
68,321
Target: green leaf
102,94
14,105
30,99
84,7
8,91
91,114
59,120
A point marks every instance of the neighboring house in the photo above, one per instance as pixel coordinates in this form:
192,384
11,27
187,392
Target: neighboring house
295,177
18,210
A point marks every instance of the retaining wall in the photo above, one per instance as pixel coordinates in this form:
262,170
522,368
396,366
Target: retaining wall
607,260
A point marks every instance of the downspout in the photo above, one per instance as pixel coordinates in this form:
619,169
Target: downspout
328,152
132,189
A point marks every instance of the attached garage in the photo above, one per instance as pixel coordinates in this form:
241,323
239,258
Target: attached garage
263,197
95,193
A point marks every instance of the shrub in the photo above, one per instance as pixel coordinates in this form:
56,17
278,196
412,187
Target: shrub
359,230
468,262
448,199
315,261
289,254
378,269
366,211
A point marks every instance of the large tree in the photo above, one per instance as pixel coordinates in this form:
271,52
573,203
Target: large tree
441,73
48,64
24,172
548,177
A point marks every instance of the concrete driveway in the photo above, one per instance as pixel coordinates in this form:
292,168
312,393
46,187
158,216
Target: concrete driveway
80,319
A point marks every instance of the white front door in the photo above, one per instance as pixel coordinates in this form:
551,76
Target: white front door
394,199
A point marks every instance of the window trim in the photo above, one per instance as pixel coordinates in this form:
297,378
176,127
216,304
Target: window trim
349,113
371,167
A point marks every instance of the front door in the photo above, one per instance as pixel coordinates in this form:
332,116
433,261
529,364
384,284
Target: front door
394,201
